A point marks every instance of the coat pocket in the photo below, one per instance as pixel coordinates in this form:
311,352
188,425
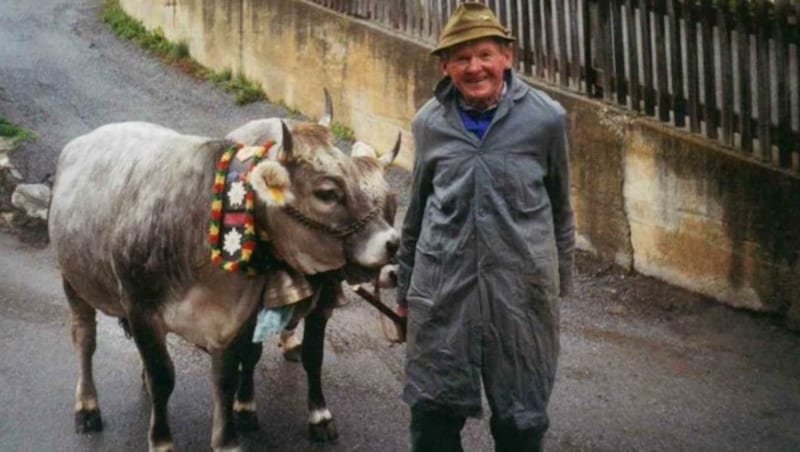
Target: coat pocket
425,278
524,188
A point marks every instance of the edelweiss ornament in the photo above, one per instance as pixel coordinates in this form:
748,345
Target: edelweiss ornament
236,194
232,209
233,241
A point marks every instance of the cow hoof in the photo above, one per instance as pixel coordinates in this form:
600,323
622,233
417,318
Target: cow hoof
166,447
294,354
87,421
323,432
246,421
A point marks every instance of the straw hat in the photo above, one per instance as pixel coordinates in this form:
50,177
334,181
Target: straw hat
471,20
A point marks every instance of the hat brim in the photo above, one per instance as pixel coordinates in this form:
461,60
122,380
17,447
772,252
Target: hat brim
469,35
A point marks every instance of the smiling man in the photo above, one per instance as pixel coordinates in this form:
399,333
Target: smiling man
487,244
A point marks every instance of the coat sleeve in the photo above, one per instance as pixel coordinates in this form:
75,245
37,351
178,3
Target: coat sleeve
557,183
421,186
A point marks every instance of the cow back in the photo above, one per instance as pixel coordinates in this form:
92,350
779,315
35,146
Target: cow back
130,205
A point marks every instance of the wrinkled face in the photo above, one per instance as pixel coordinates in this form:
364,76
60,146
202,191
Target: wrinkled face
338,208
476,69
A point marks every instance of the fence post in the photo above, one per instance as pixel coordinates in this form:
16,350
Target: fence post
676,65
726,72
575,47
647,59
783,93
589,74
709,69
745,87
633,55
692,77
561,29
660,62
621,86
763,81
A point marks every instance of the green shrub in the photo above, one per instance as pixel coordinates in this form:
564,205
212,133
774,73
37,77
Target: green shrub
342,132
16,133
244,90
156,42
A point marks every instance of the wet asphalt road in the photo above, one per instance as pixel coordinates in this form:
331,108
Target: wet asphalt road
643,366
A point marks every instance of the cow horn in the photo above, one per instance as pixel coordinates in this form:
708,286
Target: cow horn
327,118
286,140
388,158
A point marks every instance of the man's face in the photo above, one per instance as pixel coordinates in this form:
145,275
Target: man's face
476,69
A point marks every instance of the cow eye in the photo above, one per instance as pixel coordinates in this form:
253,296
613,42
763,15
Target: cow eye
327,196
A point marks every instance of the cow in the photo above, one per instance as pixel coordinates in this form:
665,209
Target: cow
131,224
311,350
257,131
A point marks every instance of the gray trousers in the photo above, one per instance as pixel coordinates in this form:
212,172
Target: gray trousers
437,430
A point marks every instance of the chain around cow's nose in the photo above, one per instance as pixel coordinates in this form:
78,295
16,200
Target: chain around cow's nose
340,233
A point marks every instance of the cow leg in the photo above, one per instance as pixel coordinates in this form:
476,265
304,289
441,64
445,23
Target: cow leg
292,347
150,336
244,408
84,339
226,378
123,323
321,425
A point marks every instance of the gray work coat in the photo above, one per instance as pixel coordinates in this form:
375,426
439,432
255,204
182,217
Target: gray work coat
487,245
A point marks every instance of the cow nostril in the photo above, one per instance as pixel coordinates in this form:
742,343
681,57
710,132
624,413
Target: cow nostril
391,247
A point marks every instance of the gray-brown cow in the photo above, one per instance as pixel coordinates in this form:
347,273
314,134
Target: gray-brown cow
328,289
129,224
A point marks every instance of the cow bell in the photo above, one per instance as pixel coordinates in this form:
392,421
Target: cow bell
285,286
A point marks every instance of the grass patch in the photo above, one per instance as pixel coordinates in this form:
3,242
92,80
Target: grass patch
155,42
177,54
14,132
293,112
244,90
342,132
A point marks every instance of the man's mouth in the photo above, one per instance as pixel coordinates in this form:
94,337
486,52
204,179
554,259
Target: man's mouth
475,82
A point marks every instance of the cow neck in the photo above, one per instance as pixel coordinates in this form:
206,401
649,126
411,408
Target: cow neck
235,245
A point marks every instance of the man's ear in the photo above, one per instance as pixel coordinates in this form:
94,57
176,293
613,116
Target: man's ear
508,51
443,65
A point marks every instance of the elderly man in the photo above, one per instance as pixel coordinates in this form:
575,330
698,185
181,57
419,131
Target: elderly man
487,244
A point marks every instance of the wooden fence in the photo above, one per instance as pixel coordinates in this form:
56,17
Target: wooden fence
726,69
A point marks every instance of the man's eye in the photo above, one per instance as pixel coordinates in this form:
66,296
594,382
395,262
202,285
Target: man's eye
328,196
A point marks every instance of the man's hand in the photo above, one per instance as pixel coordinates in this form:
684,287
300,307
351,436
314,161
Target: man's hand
402,311
388,277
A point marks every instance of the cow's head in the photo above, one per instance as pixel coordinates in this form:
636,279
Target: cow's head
373,170
321,208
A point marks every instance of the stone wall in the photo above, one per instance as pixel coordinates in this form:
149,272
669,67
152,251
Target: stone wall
646,196
294,49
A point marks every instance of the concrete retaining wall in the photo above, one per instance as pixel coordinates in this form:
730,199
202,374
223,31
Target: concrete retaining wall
648,197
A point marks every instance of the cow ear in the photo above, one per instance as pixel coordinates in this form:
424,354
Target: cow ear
361,149
271,183
286,144
388,158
